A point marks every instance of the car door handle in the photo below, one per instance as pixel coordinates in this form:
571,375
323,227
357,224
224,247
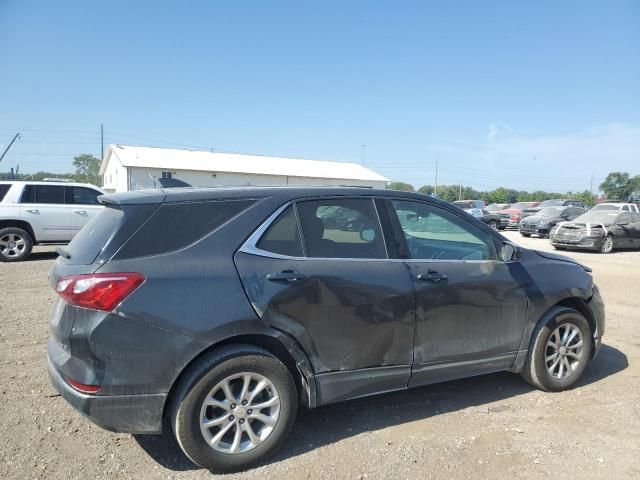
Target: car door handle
80,212
432,276
33,210
285,276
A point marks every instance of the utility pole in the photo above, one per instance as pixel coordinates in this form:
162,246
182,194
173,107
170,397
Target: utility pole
591,187
17,135
101,142
363,154
460,196
435,190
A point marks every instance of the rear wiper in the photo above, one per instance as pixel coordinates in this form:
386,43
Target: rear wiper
63,253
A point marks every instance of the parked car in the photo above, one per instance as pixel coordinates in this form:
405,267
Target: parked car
250,304
32,213
601,230
472,207
496,207
492,219
622,207
510,217
559,202
543,221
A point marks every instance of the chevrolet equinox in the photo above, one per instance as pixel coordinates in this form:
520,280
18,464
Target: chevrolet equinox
218,312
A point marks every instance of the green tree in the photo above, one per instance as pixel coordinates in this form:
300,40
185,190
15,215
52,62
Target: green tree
87,168
426,190
617,186
401,186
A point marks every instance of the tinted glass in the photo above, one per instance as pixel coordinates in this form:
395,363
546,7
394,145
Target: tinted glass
176,225
28,194
283,236
605,207
551,203
86,245
3,191
341,228
84,196
49,194
606,217
553,212
433,233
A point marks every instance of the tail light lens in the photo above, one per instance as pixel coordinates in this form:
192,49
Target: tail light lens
82,388
98,291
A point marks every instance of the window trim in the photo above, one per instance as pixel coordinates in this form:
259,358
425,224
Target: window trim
250,245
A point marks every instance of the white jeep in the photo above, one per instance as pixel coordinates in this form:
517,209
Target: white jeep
33,213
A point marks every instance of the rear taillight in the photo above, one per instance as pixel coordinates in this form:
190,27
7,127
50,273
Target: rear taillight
98,291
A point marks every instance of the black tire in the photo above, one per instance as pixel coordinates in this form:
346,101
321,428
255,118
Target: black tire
195,386
493,224
17,253
607,244
525,234
535,370
556,247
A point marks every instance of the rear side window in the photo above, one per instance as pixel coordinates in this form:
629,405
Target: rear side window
86,245
3,191
48,194
84,196
341,228
282,236
176,225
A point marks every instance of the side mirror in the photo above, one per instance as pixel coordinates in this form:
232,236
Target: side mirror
509,252
367,235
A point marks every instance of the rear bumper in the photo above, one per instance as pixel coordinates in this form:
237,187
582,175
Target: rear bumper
117,413
597,309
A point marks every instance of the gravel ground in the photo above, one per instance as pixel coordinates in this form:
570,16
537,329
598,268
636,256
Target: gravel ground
494,426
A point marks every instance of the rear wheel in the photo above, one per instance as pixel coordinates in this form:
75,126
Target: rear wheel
234,409
15,244
559,351
525,234
493,224
607,244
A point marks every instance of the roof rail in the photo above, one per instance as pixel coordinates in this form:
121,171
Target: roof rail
64,180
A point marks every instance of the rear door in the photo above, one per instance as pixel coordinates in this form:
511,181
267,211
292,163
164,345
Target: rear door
319,271
470,306
44,207
84,205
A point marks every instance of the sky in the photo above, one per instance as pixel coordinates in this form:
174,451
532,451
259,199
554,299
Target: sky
528,95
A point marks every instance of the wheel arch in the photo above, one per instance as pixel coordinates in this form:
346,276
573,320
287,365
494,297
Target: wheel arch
279,345
24,225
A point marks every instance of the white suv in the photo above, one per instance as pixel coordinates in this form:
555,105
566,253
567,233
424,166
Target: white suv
623,207
42,212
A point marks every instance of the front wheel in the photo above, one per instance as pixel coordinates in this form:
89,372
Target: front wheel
15,244
234,409
559,351
607,244
494,225
525,234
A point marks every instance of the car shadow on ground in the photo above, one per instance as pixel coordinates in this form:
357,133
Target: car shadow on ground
37,256
332,423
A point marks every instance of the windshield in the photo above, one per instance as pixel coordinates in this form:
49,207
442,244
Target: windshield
497,206
551,212
464,204
521,205
605,207
606,217
551,203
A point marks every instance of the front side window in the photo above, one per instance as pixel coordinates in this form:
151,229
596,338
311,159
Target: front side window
282,236
50,194
167,174
84,196
435,234
341,228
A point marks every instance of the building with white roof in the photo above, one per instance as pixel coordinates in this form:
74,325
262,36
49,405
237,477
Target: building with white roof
127,168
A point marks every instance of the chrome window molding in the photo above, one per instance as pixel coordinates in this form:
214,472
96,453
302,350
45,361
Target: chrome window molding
250,245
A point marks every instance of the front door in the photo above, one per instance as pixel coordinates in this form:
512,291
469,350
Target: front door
320,272
470,307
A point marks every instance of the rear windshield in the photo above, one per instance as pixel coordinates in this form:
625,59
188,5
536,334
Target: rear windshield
86,245
3,191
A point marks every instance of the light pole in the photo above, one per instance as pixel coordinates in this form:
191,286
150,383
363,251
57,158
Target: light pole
363,154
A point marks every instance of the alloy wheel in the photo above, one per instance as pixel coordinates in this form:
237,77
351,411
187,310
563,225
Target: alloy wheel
563,352
12,245
239,413
607,245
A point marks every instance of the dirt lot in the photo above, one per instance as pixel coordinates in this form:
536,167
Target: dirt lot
494,426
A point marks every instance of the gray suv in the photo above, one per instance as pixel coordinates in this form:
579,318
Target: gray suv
220,312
